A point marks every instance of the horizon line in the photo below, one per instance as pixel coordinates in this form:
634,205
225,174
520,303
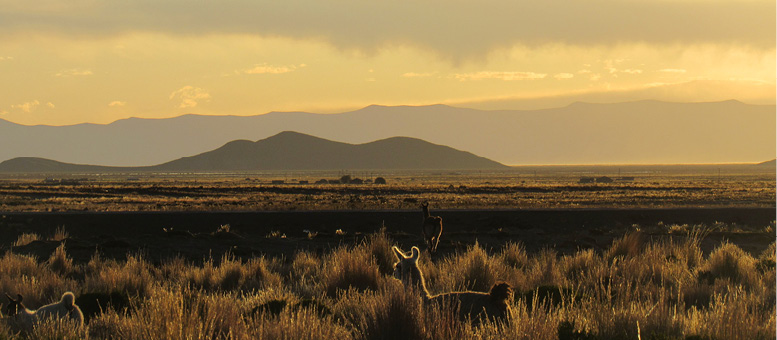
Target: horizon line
347,110
640,164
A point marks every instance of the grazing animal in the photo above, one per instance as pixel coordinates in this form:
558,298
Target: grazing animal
64,309
472,305
432,228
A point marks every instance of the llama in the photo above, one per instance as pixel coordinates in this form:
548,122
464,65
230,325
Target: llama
470,305
65,308
432,228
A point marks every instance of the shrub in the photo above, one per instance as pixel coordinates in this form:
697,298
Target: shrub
390,313
350,268
629,245
25,239
59,262
379,246
514,255
731,262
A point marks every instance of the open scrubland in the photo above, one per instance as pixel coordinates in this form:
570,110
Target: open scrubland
639,287
522,188
665,256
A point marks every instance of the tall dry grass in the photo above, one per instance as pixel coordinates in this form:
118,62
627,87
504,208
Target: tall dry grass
638,288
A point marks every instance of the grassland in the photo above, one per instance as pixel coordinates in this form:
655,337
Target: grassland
525,188
637,288
311,261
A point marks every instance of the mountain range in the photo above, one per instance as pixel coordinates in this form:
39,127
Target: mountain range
291,151
582,133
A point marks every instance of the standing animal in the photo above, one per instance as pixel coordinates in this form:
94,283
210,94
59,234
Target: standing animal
431,229
470,305
64,309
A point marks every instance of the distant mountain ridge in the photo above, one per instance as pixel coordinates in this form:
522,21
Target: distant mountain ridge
290,150
582,133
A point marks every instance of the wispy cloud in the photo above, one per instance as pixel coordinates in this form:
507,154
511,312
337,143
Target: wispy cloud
74,72
672,70
5,58
27,106
117,103
270,69
632,71
499,75
51,105
564,76
189,96
417,75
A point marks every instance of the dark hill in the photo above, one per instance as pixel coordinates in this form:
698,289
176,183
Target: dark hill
295,151
772,163
35,164
292,151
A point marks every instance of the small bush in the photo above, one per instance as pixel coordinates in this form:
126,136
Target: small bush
25,239
514,255
59,262
347,269
59,234
731,262
629,245
390,313
379,246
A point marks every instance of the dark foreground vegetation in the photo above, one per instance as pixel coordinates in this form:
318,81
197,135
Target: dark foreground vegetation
637,288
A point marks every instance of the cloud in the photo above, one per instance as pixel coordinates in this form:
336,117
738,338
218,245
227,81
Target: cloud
3,112
564,76
5,58
470,28
51,105
265,68
74,72
27,106
189,96
417,75
117,103
499,75
672,70
632,71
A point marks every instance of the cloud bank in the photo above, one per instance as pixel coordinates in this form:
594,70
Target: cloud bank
454,28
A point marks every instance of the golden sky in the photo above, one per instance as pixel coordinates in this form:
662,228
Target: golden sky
68,62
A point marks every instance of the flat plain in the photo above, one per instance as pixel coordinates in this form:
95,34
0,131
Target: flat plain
656,252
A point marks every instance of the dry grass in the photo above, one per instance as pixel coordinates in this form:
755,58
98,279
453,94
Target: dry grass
636,288
551,189
25,239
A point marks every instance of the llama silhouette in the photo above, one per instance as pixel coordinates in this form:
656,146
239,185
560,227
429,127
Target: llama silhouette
473,306
431,229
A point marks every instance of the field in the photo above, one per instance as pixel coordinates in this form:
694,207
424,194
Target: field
521,188
674,253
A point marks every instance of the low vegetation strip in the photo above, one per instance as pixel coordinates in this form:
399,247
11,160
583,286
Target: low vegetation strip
314,191
636,288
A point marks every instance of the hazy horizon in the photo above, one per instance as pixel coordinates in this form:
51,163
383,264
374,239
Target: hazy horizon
474,106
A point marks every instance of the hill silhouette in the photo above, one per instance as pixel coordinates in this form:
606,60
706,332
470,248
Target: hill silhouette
292,151
644,132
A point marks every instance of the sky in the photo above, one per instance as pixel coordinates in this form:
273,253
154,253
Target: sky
97,61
